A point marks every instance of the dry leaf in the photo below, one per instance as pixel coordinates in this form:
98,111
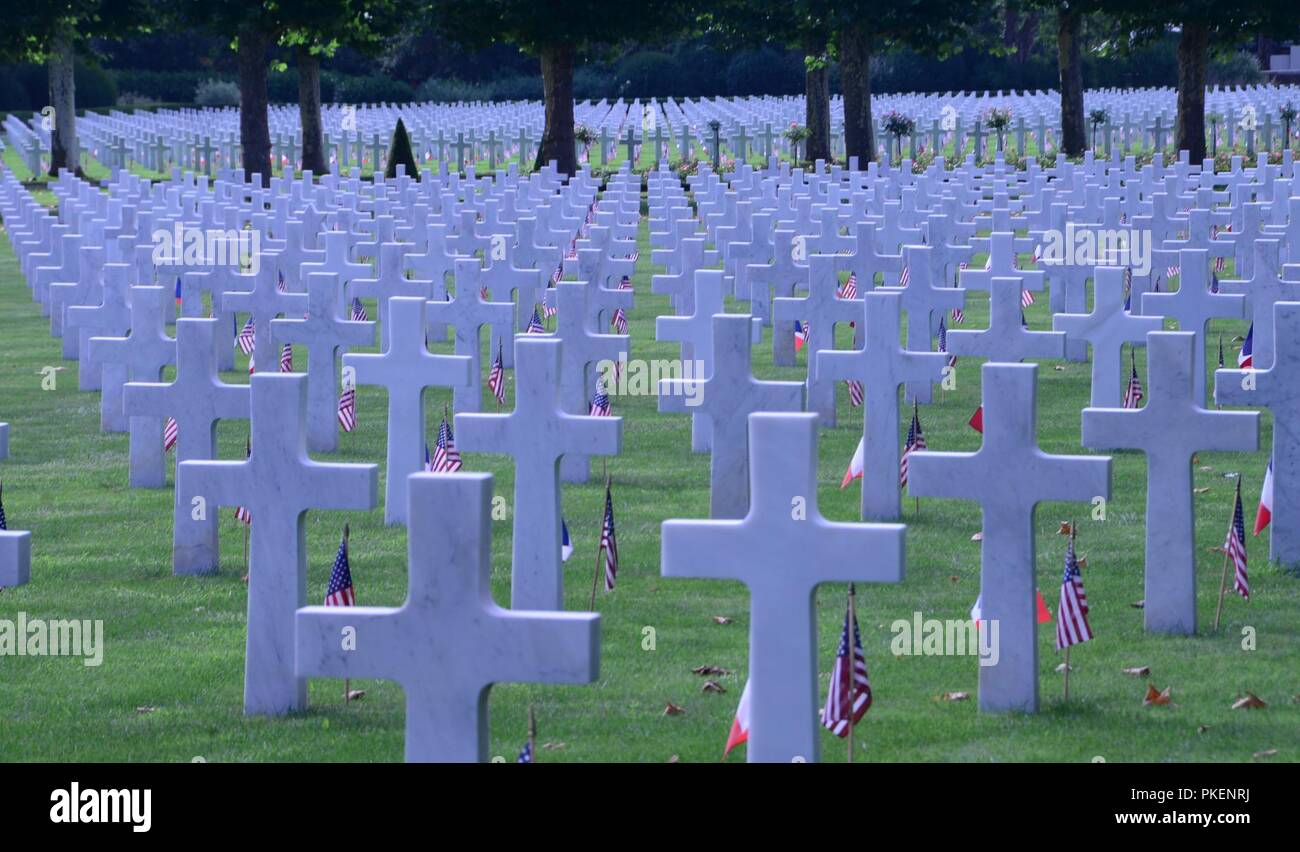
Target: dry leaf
1295,699
1155,696
1205,468
954,696
1139,604
1250,702
721,619
1201,729
1062,667
1205,490
355,694
953,578
979,536
1059,368
674,759
554,746
1082,561
145,709
1065,528
713,686
1196,459
673,710
1215,549
244,579
711,670
1139,671
1268,752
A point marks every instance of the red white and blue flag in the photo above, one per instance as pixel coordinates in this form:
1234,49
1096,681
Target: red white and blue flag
609,542
849,695
1235,547
348,408
915,443
1264,514
800,335
497,377
446,458
171,431
1246,357
247,339
1133,393
1072,613
340,591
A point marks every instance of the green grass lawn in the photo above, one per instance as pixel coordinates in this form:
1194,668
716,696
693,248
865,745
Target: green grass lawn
171,684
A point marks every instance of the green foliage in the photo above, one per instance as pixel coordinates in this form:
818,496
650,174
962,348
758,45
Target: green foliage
898,124
95,87
26,87
166,86
1097,117
400,153
216,93
372,90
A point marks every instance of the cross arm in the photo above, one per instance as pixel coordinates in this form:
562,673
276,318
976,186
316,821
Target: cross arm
353,641
545,647
340,486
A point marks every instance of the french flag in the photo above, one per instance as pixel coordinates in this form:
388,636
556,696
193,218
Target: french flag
1044,614
740,725
800,335
855,467
976,421
566,546
1265,512
1246,357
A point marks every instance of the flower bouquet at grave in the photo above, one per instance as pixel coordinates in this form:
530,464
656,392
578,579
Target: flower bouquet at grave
1288,114
585,136
1096,118
1215,119
899,125
999,119
796,136
686,168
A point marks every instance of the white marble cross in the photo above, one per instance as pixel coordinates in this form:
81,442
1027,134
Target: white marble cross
1001,264
782,550
277,484
324,333
922,299
726,397
110,318
1107,329
778,279
1193,306
1277,389
680,286
15,545
390,282
1009,476
1006,339
196,399
882,365
265,302
1170,429
537,434
1262,290
582,351
468,312
405,368
822,308
84,291
144,351
449,642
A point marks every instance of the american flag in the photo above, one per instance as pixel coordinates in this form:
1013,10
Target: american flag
340,591
619,321
4,523
279,281
849,695
348,408
170,433
855,392
624,283
915,442
286,358
428,462
241,514
1220,351
905,277
497,377
549,310
1214,281
247,339
359,313
1235,546
608,541
850,288
558,273
446,458
535,324
943,343
600,402
1219,264
1072,613
1171,271
1026,298
525,754
1133,394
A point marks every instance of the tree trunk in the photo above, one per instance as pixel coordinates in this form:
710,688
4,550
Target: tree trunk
855,71
817,106
1068,36
254,128
557,88
1193,52
313,143
64,152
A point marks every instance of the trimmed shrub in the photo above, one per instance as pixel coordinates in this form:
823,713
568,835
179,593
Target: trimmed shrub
216,93
399,152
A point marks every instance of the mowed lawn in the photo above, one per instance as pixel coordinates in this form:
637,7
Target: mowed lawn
171,683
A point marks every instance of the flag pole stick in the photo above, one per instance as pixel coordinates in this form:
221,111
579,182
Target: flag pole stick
853,651
532,733
1223,582
600,545
1067,672
347,684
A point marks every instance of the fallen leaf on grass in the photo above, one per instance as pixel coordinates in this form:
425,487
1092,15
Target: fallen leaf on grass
1139,671
1139,604
1062,667
979,536
673,710
355,694
721,619
1065,528
674,759
1156,696
554,746
953,696
1205,490
1200,729
711,670
1205,468
1059,368
1250,702
1082,561
713,686
1268,752
145,709
953,578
